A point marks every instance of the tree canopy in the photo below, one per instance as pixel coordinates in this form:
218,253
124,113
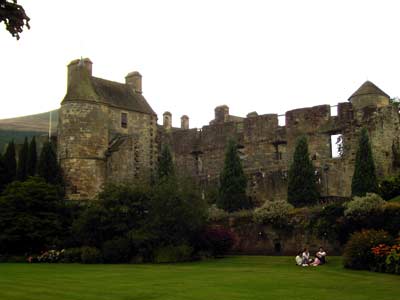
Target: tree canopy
14,17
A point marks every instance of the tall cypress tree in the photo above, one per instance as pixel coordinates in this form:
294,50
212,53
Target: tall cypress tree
32,158
364,177
10,163
22,168
165,168
48,167
302,187
232,190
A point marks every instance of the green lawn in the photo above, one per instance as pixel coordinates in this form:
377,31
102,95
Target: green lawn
240,277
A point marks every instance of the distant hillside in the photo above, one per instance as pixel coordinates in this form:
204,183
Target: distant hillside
27,126
37,123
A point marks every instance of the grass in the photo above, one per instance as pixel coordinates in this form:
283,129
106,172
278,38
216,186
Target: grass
239,277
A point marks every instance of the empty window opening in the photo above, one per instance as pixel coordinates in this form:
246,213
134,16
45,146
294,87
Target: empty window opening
336,145
124,120
334,110
281,120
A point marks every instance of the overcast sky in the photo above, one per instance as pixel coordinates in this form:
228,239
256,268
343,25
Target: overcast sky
264,56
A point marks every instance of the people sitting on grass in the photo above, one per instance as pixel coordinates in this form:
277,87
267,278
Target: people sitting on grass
303,258
321,255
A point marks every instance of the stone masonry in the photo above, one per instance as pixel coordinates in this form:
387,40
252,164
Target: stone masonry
108,132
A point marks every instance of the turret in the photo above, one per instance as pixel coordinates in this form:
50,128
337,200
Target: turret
368,94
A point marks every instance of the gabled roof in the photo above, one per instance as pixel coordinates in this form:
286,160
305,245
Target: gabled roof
368,88
120,95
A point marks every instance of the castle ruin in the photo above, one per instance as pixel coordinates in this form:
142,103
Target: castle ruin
107,132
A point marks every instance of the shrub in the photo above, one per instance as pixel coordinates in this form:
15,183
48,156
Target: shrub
217,240
389,187
170,254
357,253
91,255
72,255
118,250
51,256
325,222
390,218
273,212
364,206
216,214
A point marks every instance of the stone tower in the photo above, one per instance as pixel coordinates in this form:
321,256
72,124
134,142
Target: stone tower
106,131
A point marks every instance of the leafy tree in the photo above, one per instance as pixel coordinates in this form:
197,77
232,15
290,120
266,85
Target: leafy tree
29,216
302,187
177,212
233,182
14,17
364,178
48,167
22,168
10,163
165,164
32,158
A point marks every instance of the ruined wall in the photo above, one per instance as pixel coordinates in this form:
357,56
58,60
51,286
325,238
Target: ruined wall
266,148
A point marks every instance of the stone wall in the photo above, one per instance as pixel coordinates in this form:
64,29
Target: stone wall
266,148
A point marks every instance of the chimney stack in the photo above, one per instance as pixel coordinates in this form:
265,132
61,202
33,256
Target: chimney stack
79,68
167,120
134,80
185,122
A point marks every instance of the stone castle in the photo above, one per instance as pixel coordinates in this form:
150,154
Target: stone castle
108,132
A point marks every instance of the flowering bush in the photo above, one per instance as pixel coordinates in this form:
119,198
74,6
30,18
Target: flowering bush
363,206
387,258
273,212
357,253
50,256
217,240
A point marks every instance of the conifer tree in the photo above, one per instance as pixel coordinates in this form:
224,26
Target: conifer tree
32,158
233,182
10,163
165,168
2,173
22,168
364,177
48,167
302,187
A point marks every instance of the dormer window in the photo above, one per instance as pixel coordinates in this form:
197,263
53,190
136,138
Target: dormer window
124,120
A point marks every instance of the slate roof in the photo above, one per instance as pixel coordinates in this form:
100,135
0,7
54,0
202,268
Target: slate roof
368,88
120,95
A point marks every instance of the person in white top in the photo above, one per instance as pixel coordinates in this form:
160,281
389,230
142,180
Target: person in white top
321,255
305,257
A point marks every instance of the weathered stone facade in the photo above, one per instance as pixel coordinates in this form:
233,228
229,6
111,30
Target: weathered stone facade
107,132
267,148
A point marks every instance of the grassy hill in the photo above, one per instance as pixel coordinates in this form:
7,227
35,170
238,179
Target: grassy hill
26,126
